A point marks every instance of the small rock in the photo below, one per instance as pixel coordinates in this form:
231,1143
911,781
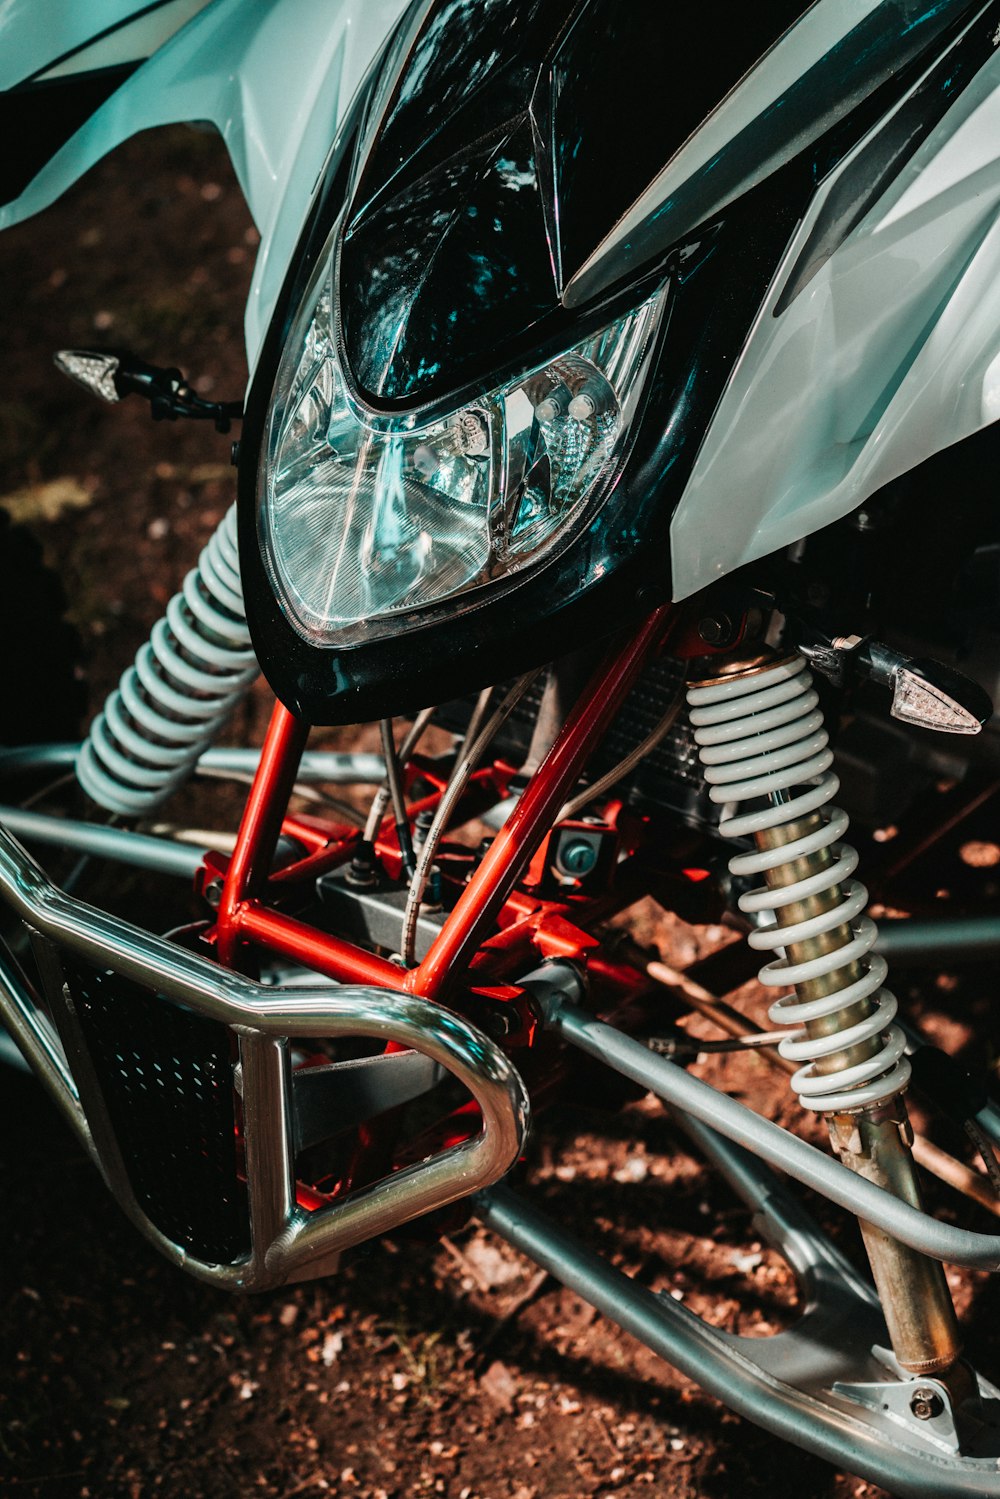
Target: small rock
745,1263
635,1169
46,502
332,1346
500,1385
489,1263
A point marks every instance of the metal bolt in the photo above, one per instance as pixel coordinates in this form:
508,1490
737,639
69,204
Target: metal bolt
499,1024
926,1403
421,827
213,893
716,629
361,871
578,856
847,642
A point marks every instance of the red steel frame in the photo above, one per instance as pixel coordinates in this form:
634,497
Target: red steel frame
244,917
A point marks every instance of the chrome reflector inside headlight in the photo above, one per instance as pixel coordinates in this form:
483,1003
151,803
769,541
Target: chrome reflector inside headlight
365,519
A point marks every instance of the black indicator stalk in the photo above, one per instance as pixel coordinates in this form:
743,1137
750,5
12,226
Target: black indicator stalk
112,374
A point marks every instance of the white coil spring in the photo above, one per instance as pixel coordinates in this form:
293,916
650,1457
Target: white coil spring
763,736
184,683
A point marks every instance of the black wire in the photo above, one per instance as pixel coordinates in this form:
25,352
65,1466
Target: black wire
987,1152
398,801
689,1046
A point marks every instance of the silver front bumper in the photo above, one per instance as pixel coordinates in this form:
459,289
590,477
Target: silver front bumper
102,977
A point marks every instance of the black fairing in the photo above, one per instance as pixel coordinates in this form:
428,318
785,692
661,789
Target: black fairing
494,171
517,136
38,117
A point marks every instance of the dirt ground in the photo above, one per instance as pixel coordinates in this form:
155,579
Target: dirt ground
423,1368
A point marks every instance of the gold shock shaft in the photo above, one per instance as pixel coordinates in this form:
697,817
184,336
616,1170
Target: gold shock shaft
874,1141
735,717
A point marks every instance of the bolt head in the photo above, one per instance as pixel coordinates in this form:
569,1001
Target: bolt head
715,629
499,1024
926,1403
578,856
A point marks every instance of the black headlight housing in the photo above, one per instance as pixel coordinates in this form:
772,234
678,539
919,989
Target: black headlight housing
446,288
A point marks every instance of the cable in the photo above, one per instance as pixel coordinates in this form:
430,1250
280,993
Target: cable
986,1150
692,1046
381,798
394,781
469,758
624,766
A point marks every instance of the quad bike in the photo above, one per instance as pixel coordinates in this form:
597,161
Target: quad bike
622,403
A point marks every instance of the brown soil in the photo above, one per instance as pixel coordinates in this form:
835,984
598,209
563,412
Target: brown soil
446,1367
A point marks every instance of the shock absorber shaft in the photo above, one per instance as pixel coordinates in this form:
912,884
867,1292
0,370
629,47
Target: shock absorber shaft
761,739
875,1140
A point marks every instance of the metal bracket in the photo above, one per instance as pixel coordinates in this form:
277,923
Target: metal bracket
825,1383
923,1407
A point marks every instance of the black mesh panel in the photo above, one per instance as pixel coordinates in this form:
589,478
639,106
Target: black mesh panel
669,779
166,1075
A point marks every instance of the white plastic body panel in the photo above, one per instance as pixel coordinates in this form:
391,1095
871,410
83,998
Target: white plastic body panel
34,33
274,76
889,354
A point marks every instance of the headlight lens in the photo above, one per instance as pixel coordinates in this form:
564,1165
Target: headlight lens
366,519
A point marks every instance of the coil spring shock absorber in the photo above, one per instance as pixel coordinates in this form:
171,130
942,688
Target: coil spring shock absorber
184,683
766,757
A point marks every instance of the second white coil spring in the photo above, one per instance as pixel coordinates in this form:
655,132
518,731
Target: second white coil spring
186,679
762,736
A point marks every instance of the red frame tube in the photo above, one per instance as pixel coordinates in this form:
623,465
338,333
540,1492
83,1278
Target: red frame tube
260,826
243,917
327,955
482,899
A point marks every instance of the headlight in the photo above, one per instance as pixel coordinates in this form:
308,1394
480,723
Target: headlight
365,519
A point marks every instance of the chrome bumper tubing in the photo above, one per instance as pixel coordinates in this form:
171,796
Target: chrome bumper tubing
287,1243
826,1384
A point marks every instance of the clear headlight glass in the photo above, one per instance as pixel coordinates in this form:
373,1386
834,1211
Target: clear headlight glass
365,520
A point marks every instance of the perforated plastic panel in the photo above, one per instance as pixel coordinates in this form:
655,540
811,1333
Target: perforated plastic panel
166,1076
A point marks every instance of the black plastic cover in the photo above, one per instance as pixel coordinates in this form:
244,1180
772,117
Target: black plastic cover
517,137
38,117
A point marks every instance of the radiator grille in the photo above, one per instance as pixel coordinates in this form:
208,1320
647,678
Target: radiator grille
668,780
166,1076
